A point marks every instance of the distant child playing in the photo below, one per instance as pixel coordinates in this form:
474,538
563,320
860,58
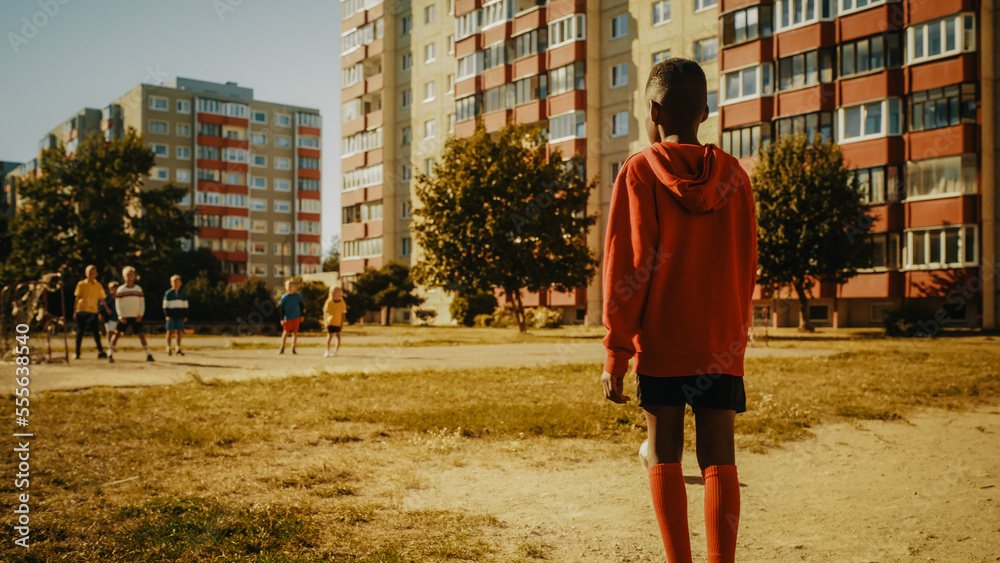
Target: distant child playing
292,308
175,310
111,311
131,305
680,268
335,313
89,295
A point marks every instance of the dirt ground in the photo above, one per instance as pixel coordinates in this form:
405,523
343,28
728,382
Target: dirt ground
923,489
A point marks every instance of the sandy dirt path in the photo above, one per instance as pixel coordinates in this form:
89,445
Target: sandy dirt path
923,489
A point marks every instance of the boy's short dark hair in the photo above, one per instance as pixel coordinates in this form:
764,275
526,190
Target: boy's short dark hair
679,87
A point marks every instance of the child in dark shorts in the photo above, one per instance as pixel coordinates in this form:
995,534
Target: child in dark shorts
680,263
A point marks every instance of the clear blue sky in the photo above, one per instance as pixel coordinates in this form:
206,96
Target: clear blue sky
93,51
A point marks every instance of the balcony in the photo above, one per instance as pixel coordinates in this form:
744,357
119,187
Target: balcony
528,19
753,52
923,11
820,34
934,74
874,152
870,87
529,66
496,77
738,114
568,101
463,7
872,21
805,100
565,54
887,217
559,8
947,141
957,210
496,120
530,112
468,46
874,285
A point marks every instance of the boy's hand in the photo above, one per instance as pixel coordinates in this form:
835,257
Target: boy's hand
613,388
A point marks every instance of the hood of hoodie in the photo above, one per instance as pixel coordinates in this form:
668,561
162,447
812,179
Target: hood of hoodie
692,174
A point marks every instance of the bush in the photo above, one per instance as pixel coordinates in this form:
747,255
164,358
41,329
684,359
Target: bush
906,321
503,317
543,317
465,307
425,315
483,321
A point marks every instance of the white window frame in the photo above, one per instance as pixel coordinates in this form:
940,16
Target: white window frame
661,5
843,9
183,129
407,63
575,27
430,129
155,147
233,179
406,25
575,114
886,106
253,116
282,163
166,127
282,206
257,204
702,5
282,185
817,11
407,100
619,124
429,94
160,173
282,120
762,70
963,231
660,56
182,152
697,46
619,72
183,106
262,185
406,173
962,43
154,100
429,14
619,22
183,175
263,162
431,55
282,141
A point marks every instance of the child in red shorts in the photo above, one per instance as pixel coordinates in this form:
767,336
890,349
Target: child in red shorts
292,307
680,268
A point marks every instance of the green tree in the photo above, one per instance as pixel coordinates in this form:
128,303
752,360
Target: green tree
497,211
468,304
390,287
812,224
332,261
91,208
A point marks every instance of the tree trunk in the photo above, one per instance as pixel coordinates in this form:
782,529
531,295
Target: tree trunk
518,310
386,315
804,325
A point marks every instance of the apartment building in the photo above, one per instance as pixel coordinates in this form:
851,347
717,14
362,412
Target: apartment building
252,169
908,89
577,69
8,198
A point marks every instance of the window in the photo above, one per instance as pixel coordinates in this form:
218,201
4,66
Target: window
405,25
362,248
568,126
158,149
706,50
160,127
235,155
351,214
361,142
748,83
308,227
568,29
451,44
304,184
183,175
497,12
951,175
661,56
468,107
258,116
209,106
941,247
407,99
879,184
210,129
619,124
282,207
355,38
451,122
209,153
451,84
468,24
282,163
567,78
885,250
183,130
868,121
797,13
282,120
496,99
704,4
407,62
819,312
407,135
282,141
257,204
371,211
209,175
810,125
233,179
747,24
183,153
258,160
429,56
258,247
281,228
429,129
258,139
531,89
871,53
308,163
234,109
943,107
848,6
406,173
470,65
158,103
406,210
258,183
208,198
661,12
496,54
531,43
362,177
429,14
309,205
404,246
941,38
183,106
619,26
805,69
309,142
746,141
713,102
282,186
619,75
429,91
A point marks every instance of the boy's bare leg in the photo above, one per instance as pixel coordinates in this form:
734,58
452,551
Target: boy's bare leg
666,480
295,339
284,336
717,458
329,338
337,349
170,335
179,333
142,339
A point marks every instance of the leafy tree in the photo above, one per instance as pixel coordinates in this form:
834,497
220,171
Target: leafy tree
499,212
91,208
812,223
469,304
390,287
332,261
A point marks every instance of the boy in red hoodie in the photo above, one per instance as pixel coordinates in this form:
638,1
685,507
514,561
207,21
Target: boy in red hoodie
679,272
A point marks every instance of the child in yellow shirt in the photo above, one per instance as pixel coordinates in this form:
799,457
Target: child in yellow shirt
334,314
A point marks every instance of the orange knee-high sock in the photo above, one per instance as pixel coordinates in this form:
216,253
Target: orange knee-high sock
666,483
722,512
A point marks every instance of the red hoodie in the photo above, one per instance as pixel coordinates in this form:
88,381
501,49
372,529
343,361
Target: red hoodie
680,263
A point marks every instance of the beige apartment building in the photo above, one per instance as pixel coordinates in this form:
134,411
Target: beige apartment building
252,169
422,70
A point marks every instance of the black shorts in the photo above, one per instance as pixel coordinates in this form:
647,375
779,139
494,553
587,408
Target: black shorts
332,329
711,390
125,322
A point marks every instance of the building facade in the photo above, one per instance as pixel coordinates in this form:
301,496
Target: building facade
252,169
425,69
908,90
